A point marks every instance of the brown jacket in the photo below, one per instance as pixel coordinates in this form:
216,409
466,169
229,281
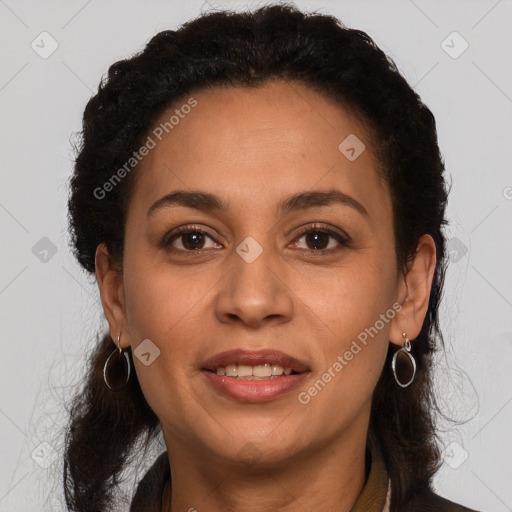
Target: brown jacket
148,497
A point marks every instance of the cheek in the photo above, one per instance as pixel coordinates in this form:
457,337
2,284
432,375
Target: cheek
355,308
350,298
160,306
158,299
353,351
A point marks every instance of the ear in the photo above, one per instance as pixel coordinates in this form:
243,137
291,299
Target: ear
110,283
414,292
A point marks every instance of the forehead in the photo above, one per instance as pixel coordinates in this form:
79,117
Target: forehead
258,144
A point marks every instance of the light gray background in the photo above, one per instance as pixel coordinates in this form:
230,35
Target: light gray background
50,310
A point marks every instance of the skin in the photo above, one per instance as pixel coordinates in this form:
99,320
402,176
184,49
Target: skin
254,147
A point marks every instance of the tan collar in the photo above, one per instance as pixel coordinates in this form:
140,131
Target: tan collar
376,493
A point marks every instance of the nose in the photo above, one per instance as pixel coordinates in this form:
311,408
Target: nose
255,293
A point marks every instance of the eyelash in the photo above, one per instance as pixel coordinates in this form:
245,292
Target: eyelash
344,241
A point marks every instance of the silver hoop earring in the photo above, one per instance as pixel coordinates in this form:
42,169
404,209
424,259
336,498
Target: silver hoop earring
406,363
117,368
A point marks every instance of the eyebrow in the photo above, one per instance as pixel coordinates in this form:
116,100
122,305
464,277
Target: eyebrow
207,202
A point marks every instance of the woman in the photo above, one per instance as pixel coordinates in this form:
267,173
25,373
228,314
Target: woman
261,199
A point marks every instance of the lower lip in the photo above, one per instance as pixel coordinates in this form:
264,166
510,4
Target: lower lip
245,390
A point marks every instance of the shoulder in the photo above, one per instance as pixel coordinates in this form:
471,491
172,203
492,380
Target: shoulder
428,501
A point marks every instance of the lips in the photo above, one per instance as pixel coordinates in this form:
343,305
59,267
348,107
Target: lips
220,371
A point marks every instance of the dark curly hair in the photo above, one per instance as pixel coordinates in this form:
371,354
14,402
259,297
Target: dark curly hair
248,49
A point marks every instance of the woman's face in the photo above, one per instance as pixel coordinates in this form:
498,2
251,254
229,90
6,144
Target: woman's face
256,282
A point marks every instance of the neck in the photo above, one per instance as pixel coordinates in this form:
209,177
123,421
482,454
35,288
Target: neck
324,479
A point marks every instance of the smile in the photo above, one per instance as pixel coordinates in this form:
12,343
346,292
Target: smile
249,376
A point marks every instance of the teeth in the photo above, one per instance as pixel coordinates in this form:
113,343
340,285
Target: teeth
260,371
277,370
231,370
243,371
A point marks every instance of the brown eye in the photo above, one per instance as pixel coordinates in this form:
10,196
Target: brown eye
317,240
192,241
188,239
322,241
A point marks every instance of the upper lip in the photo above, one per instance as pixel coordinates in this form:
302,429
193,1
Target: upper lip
254,358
